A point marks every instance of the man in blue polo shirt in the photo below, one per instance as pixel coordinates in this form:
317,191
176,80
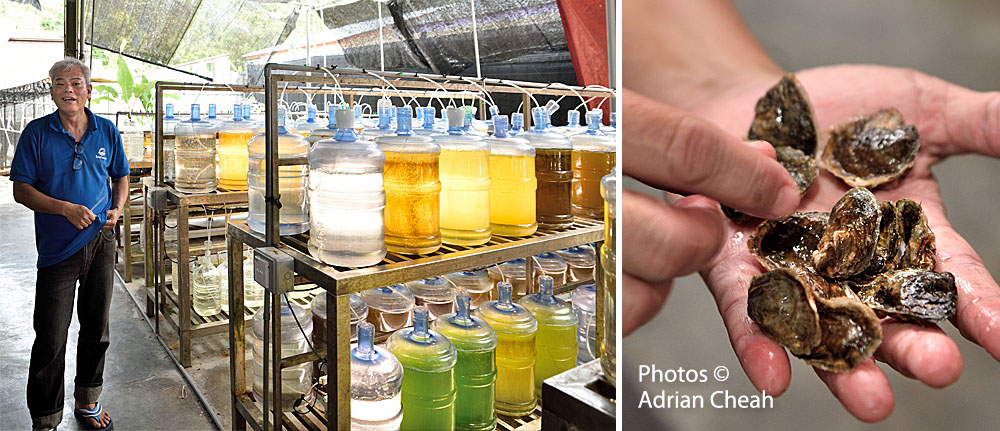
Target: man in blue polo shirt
60,171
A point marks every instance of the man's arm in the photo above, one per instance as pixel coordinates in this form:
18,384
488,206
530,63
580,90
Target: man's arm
119,193
27,195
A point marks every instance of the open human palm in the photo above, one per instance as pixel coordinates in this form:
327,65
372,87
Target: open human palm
951,120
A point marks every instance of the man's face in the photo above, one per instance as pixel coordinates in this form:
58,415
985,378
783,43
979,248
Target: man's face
70,91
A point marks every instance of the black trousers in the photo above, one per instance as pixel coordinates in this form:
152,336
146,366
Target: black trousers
93,268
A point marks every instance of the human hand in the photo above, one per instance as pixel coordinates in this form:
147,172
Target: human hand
672,150
113,215
951,120
78,215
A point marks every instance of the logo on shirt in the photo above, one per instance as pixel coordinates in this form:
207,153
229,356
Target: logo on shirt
101,154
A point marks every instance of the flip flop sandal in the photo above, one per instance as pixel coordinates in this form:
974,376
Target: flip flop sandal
95,413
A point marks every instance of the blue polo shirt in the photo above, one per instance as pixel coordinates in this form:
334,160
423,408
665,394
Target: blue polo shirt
44,159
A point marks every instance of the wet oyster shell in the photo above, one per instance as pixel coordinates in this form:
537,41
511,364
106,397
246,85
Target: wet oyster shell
912,294
890,248
850,334
784,308
916,235
784,117
849,240
871,151
784,242
801,167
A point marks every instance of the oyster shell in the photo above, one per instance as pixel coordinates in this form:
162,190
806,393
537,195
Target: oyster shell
871,151
912,294
917,236
784,117
890,248
784,308
851,333
784,242
801,166
851,233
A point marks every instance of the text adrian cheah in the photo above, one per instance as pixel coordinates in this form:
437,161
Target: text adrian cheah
719,399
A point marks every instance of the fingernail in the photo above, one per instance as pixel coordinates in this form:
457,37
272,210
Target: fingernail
787,202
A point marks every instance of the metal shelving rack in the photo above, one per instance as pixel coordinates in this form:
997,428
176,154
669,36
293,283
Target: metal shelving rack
340,282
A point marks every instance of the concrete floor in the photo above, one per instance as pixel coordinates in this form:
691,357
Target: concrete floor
956,40
142,389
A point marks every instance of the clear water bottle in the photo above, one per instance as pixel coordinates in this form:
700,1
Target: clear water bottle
593,158
347,197
293,217
389,307
476,283
296,380
465,184
359,311
384,124
132,139
205,284
169,126
309,124
555,342
515,354
512,182
581,260
552,265
608,252
514,272
435,293
234,157
554,171
582,299
376,385
222,269
253,292
320,133
428,360
412,190
194,169
475,370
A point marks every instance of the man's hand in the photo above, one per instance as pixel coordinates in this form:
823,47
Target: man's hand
673,150
78,215
113,215
951,120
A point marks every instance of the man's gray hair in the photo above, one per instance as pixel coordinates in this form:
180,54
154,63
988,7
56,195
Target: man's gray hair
68,63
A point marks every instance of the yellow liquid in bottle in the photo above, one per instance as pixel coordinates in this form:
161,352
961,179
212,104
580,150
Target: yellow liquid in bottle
465,197
588,169
512,195
515,388
233,160
412,202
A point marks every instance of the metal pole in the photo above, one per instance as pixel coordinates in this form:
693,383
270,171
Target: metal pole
612,45
271,193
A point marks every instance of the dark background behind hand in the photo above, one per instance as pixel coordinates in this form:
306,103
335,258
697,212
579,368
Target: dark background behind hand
956,40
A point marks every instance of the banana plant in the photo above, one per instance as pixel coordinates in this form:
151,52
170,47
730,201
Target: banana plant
130,93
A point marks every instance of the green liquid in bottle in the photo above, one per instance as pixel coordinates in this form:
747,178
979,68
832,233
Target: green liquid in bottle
475,370
428,399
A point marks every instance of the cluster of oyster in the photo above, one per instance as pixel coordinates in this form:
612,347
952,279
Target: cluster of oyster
865,151
832,275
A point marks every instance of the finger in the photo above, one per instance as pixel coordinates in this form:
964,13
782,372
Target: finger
958,120
642,300
922,352
865,392
977,313
673,150
764,362
664,241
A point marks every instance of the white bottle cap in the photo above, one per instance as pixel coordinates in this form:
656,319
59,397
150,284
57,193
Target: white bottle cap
345,118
